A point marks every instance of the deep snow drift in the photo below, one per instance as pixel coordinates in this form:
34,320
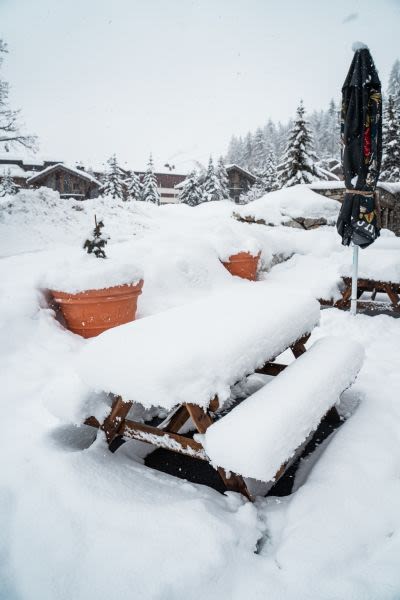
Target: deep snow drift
79,522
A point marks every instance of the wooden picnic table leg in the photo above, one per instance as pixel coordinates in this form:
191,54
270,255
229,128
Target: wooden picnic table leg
176,421
345,297
394,298
202,421
299,348
114,421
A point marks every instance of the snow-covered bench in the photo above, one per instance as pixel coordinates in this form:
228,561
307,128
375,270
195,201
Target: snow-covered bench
259,435
378,273
186,360
374,286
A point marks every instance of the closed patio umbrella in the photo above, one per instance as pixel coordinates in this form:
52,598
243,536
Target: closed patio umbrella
361,131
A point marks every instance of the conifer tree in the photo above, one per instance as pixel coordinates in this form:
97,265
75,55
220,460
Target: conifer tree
269,174
235,151
150,190
133,187
332,131
270,136
7,185
211,184
258,151
299,160
191,193
248,151
223,179
113,180
96,244
390,168
394,84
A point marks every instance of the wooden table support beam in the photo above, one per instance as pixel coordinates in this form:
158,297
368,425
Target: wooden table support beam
162,439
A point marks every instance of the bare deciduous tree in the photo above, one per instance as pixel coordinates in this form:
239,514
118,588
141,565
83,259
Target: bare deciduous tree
10,134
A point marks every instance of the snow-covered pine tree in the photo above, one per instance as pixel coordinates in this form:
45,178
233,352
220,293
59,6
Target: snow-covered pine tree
332,129
254,193
318,123
133,187
191,192
282,132
271,136
211,185
150,191
7,185
113,180
269,174
267,180
390,168
248,151
298,163
223,179
258,151
235,151
394,83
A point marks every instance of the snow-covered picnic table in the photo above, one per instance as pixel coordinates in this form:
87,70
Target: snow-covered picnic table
187,359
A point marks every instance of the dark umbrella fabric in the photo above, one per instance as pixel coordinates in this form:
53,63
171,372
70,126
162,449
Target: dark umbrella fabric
361,130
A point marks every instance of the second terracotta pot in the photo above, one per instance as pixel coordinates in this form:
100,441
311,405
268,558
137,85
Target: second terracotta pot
243,264
91,312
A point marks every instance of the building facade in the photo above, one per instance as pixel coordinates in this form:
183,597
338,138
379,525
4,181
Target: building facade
68,181
240,181
76,182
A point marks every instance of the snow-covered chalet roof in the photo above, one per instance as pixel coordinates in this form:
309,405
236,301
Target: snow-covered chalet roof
243,171
73,170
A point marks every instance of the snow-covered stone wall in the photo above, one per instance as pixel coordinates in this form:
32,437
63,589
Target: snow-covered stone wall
389,200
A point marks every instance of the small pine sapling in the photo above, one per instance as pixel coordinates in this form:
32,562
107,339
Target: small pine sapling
96,244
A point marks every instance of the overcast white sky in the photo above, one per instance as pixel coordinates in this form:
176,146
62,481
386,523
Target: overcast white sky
178,77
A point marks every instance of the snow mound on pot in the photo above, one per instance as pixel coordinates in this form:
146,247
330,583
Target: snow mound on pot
76,272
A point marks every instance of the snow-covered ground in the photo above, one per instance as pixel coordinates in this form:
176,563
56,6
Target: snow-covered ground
77,522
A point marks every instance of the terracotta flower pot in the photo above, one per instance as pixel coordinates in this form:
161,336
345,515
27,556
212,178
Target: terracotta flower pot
91,312
243,264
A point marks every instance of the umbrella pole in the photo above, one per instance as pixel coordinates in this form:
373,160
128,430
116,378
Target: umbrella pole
354,278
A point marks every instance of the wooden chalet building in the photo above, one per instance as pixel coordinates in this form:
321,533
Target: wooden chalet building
240,181
77,183
70,182
22,169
